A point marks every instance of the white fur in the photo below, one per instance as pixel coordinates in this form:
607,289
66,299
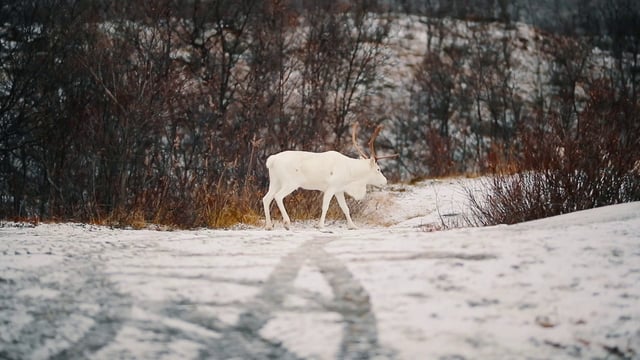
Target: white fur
329,172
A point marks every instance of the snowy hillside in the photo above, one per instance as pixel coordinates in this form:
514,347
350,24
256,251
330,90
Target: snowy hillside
412,37
554,288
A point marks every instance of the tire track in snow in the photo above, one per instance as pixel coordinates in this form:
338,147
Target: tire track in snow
71,309
350,300
63,311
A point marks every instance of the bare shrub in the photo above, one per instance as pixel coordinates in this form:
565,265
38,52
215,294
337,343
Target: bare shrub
131,114
564,169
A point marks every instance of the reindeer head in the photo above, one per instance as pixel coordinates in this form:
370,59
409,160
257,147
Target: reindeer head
375,174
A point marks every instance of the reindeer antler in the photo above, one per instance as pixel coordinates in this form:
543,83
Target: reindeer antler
372,149
354,131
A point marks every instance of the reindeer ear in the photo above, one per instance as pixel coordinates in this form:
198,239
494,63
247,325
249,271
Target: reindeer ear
372,162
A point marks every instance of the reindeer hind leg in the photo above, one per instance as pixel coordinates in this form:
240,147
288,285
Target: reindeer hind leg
279,196
266,203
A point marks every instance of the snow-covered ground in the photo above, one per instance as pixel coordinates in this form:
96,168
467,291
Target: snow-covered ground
561,287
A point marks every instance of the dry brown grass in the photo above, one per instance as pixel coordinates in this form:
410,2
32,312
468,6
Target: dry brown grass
225,206
218,206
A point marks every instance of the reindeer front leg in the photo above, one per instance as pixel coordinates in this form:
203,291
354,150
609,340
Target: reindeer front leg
345,209
326,199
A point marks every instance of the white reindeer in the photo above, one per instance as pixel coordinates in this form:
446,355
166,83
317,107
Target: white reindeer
329,172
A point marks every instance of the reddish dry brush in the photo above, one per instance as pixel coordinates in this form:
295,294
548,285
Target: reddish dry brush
564,169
